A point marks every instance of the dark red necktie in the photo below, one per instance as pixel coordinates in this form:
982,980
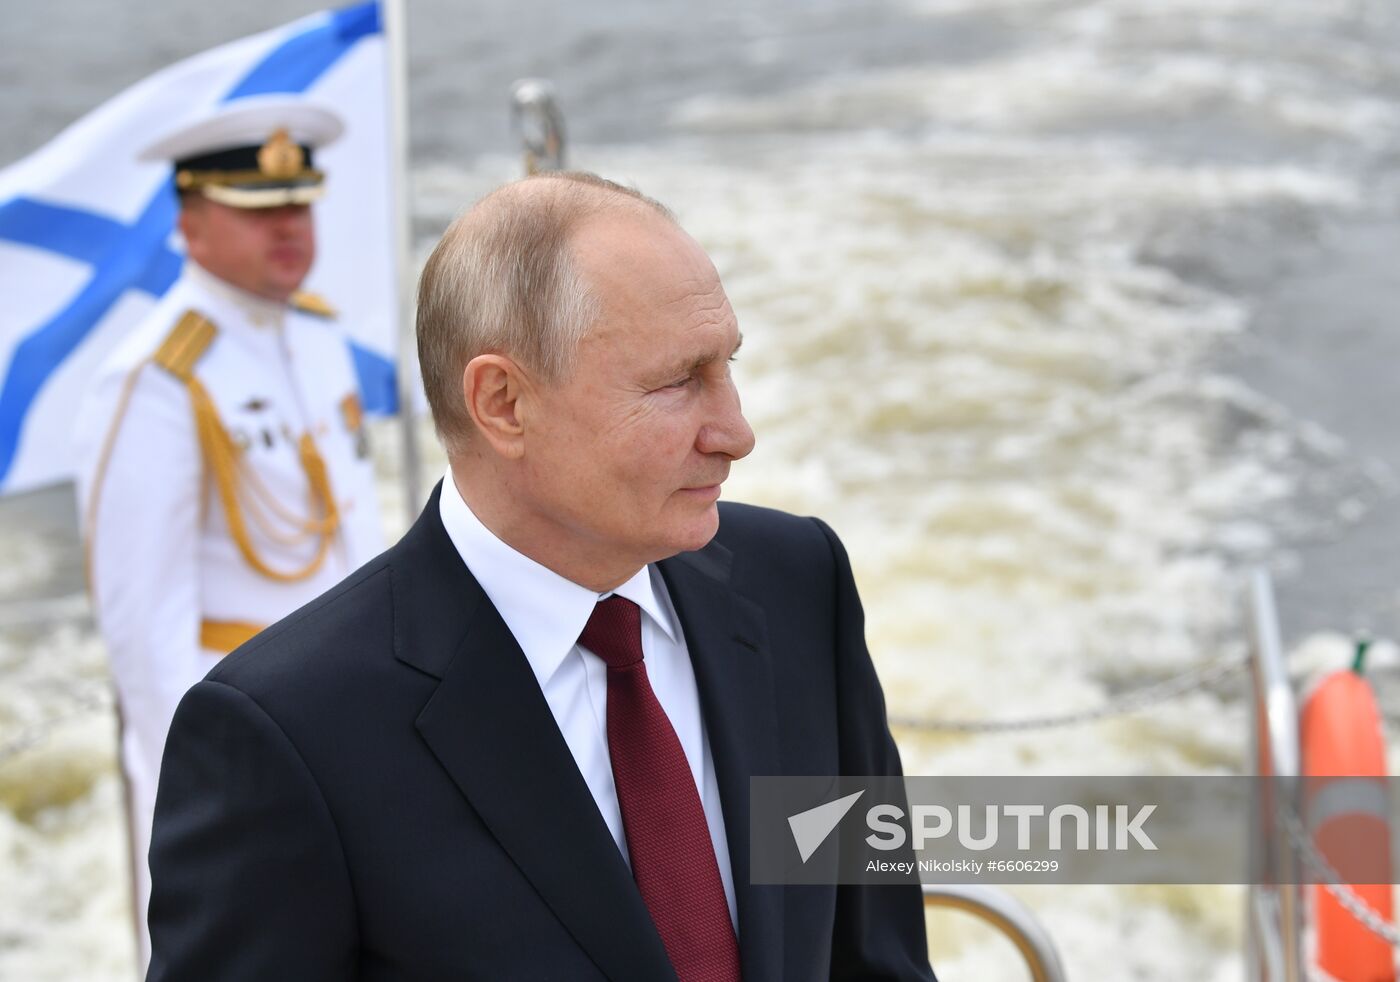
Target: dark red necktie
673,860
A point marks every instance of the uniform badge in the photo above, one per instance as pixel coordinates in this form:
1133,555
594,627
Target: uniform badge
353,415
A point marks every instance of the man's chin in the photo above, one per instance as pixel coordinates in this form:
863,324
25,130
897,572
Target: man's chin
287,279
702,530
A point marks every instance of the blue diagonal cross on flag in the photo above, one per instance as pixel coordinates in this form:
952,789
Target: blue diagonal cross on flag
86,228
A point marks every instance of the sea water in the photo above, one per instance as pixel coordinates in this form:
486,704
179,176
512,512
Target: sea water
1042,302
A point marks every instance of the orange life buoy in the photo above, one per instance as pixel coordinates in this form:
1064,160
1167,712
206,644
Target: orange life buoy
1345,806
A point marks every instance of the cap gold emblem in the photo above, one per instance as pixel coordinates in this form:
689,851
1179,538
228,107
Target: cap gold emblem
279,157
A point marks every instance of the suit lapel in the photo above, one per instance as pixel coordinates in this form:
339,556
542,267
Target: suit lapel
728,641
490,727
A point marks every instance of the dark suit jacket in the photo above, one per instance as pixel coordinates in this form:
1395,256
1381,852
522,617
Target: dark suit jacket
374,788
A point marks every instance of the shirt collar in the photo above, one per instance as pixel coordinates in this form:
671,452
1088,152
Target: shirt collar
257,310
544,611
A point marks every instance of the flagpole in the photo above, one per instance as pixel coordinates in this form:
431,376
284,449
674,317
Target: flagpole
397,42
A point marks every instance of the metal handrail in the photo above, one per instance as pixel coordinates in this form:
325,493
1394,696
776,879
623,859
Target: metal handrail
1275,904
1008,915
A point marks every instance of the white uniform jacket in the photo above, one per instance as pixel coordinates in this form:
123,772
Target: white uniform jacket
174,578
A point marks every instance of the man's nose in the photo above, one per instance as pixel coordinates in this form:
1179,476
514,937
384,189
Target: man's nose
727,431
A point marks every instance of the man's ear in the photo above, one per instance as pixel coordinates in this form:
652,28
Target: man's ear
492,388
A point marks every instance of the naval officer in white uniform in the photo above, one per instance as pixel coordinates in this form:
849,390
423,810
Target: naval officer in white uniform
224,476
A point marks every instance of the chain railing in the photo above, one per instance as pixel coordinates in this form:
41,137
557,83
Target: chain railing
1123,704
85,706
1331,881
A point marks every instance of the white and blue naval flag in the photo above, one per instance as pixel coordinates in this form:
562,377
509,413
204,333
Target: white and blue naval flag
86,230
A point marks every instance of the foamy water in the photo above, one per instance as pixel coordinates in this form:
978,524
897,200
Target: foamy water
976,344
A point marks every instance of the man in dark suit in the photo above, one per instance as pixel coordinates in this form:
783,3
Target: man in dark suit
518,745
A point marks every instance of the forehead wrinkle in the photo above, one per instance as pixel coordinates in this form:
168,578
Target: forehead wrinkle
705,292
710,357
704,311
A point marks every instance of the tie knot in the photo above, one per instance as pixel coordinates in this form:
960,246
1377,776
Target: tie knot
614,632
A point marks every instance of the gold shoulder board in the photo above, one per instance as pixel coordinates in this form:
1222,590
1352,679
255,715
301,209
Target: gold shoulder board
313,304
185,344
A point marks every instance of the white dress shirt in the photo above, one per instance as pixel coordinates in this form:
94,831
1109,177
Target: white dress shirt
546,613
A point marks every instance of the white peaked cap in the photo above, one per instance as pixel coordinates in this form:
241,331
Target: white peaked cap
249,122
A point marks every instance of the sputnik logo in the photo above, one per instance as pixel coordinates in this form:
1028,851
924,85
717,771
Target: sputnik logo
812,827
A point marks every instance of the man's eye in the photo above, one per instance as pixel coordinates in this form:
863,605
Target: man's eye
680,383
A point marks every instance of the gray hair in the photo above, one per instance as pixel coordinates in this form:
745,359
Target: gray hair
503,280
